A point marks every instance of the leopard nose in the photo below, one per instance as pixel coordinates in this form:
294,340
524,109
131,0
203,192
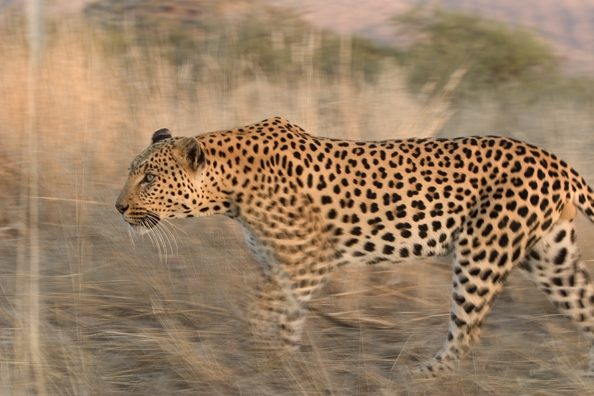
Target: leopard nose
121,208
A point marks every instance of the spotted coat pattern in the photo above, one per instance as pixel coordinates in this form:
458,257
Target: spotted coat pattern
309,204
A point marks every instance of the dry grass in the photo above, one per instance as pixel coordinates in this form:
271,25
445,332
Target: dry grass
121,316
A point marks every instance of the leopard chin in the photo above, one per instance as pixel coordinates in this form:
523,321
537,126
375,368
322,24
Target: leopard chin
145,224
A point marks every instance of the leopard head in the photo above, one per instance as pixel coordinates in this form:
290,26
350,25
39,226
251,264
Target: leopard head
170,179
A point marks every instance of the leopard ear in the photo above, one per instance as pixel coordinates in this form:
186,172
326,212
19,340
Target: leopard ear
190,151
161,134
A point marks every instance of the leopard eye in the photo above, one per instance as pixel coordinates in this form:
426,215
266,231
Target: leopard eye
148,178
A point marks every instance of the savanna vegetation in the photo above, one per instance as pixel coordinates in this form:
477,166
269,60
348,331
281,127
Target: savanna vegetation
86,308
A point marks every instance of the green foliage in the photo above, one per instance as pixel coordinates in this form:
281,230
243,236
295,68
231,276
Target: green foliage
494,53
240,36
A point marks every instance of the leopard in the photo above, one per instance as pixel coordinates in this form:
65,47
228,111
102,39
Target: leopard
308,205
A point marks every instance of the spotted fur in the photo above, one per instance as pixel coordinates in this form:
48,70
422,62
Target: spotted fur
309,204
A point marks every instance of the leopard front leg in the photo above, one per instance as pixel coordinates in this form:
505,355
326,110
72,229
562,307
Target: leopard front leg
298,260
277,315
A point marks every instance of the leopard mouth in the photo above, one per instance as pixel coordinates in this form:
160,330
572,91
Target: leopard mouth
145,223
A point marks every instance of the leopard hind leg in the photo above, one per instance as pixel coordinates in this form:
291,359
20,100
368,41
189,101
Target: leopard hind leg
475,287
556,267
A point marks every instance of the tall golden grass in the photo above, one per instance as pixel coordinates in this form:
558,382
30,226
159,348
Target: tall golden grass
121,315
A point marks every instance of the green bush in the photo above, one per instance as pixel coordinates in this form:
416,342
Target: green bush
259,37
493,52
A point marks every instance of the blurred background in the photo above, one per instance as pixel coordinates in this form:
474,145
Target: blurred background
87,308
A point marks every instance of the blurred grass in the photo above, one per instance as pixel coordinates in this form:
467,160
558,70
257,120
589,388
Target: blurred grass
121,315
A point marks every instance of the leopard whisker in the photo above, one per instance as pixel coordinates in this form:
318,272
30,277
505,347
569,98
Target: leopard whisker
162,245
170,235
154,241
165,237
174,230
131,235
